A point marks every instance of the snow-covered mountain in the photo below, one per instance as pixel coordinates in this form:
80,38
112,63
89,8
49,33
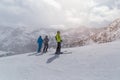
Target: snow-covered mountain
84,36
23,39
109,33
93,62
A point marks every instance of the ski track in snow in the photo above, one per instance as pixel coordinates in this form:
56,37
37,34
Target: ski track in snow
93,62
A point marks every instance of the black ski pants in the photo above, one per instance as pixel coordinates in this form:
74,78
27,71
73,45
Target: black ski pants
45,48
58,49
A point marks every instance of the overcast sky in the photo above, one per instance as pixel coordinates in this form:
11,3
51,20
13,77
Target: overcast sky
58,13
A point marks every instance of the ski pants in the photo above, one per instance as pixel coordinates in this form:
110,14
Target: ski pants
45,47
58,49
39,48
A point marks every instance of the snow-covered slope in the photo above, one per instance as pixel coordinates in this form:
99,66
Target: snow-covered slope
94,62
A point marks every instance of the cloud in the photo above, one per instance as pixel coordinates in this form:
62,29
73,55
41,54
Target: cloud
93,13
104,12
53,3
77,12
58,12
8,2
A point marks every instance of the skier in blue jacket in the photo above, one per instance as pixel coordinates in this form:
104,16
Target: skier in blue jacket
39,41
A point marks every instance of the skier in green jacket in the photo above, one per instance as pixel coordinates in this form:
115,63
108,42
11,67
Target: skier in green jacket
58,40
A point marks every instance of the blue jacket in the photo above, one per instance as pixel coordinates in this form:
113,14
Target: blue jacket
40,41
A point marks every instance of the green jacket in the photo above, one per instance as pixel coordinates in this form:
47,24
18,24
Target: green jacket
58,38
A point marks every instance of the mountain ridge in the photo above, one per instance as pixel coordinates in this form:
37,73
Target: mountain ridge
23,39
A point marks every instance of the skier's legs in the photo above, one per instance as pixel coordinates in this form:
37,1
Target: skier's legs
58,48
46,47
39,48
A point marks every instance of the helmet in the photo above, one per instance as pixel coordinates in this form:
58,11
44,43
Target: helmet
58,31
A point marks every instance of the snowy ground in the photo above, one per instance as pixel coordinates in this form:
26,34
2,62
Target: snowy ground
94,62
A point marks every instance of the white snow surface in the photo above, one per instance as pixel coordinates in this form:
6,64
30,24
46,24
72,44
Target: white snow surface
93,62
